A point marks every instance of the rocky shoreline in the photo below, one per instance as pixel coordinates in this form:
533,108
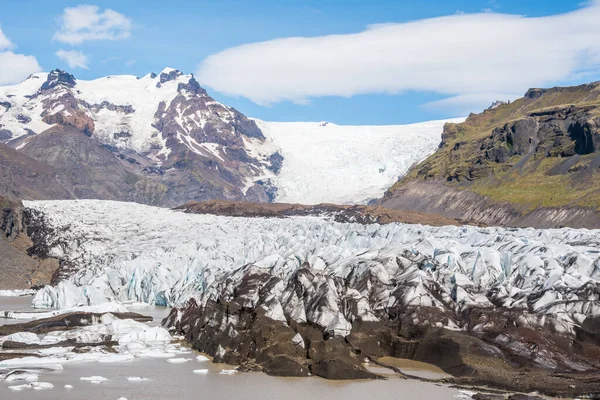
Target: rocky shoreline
234,334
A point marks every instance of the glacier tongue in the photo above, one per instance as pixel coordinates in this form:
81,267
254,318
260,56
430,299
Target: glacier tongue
309,269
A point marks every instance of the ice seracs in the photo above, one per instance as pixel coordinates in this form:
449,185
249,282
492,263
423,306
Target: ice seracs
345,272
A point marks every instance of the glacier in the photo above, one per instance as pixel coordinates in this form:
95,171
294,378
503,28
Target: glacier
345,164
319,271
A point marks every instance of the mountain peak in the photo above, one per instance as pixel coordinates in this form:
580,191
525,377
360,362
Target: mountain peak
169,74
58,77
168,70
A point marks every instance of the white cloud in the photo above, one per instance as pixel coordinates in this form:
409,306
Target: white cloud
471,58
5,42
73,58
14,67
87,22
467,103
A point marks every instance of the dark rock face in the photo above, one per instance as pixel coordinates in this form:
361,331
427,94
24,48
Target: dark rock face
192,86
172,75
233,334
11,219
19,270
586,136
59,77
275,162
24,119
5,134
265,324
557,133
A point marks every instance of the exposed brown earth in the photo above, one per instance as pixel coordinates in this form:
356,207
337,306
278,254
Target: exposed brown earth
22,177
18,268
340,213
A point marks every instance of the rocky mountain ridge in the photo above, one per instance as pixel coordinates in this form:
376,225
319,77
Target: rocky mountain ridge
532,162
159,139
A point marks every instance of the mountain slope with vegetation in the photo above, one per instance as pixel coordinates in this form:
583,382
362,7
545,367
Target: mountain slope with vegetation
532,162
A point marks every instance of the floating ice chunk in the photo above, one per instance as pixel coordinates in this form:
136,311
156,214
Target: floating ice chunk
465,394
22,376
202,358
46,362
68,386
41,385
32,385
156,353
114,358
154,334
64,295
228,371
94,379
18,388
137,379
21,337
178,360
201,371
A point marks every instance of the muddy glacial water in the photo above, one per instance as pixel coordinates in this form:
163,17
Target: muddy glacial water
166,380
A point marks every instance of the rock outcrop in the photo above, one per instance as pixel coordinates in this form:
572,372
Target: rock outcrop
532,162
19,268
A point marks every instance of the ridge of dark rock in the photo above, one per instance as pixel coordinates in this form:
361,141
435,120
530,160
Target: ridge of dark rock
58,77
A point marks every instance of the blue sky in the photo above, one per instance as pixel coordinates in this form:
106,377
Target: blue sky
182,34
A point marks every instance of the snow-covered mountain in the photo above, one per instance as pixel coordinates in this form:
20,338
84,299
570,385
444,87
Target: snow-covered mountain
161,139
175,143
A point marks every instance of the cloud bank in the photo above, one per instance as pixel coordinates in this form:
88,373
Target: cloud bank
473,59
14,67
73,58
87,22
